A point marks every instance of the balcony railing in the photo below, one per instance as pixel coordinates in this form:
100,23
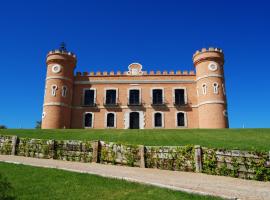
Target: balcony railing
88,104
134,103
111,104
162,102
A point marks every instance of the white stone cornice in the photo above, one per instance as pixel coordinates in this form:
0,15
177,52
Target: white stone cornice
56,104
59,77
210,75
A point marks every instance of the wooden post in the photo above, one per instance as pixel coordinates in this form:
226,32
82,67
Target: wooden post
142,160
96,151
198,158
53,156
14,144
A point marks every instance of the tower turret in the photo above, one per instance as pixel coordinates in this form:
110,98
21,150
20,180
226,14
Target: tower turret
212,104
58,90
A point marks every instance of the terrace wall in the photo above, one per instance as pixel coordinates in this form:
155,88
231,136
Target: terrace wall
235,163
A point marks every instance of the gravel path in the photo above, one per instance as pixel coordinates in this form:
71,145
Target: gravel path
226,187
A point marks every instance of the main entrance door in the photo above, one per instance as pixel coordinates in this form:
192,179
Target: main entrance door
134,120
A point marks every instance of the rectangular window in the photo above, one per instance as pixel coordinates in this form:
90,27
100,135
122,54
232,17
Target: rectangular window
110,97
89,98
157,95
134,97
179,97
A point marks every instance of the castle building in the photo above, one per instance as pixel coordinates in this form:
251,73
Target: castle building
135,99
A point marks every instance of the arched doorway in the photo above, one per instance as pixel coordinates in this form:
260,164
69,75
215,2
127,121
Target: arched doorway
134,120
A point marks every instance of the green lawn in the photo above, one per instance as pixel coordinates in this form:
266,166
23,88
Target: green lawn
41,183
244,139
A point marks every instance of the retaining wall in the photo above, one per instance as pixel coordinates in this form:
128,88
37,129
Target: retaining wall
235,163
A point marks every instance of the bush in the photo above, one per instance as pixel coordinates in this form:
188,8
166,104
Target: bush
5,189
3,127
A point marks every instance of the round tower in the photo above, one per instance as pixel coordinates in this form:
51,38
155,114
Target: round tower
212,104
58,90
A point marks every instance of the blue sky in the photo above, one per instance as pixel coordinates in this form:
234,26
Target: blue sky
109,35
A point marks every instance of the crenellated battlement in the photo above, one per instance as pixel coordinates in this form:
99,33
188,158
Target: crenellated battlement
210,49
58,51
144,73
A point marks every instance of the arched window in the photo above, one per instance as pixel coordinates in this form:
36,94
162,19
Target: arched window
111,120
64,91
204,89
215,87
88,120
54,88
158,121
181,119
223,87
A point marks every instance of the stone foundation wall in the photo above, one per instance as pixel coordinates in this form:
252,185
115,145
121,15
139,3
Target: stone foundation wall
235,163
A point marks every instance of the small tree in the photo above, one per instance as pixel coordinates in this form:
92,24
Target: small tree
3,127
5,189
38,125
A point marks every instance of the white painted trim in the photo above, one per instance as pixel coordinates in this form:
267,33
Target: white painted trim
131,81
185,93
93,116
223,88
157,88
105,94
95,94
209,102
64,90
140,93
204,88
185,120
162,119
53,90
141,119
56,104
215,87
58,77
105,121
209,75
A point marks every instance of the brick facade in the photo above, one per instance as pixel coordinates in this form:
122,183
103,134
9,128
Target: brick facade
204,95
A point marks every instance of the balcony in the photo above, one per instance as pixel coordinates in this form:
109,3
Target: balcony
159,102
115,103
134,102
89,103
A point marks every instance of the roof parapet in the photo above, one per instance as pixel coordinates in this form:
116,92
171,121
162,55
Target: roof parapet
210,49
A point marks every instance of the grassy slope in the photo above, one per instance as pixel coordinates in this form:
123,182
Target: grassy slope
41,183
244,139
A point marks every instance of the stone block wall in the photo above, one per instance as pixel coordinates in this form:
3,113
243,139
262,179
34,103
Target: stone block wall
6,145
115,153
171,158
234,163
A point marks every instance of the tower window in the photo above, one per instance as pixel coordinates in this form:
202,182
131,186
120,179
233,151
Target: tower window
89,97
223,87
204,89
179,97
158,121
64,91
157,96
111,120
215,87
181,119
134,97
110,97
88,120
54,88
